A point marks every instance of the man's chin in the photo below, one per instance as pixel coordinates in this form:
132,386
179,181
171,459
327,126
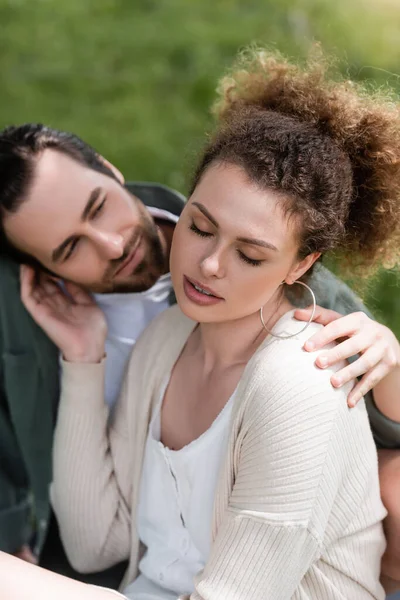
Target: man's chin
124,286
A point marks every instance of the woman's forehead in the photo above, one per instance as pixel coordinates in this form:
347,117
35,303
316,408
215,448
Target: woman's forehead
240,205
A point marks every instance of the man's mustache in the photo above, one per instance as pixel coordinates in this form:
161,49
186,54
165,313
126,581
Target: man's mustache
117,262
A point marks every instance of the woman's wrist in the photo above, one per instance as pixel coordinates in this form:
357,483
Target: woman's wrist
90,356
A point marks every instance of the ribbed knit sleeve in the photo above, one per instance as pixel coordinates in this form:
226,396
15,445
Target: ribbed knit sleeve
90,492
97,461
299,445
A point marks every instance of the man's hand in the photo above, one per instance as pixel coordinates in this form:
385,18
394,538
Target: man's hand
26,554
376,345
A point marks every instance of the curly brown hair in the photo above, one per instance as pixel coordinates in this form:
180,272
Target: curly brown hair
327,146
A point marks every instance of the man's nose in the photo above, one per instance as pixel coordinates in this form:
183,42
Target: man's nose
111,245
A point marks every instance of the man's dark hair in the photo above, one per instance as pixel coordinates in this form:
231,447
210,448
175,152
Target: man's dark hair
19,148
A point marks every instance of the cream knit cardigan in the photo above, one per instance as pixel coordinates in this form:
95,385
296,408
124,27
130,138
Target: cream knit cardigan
297,510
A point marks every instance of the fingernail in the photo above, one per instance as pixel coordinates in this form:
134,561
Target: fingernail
337,381
309,346
322,361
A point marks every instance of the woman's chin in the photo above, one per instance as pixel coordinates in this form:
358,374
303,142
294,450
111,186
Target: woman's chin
200,314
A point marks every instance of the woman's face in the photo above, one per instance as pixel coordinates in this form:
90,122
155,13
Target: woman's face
232,248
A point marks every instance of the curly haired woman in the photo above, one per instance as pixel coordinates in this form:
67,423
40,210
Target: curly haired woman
232,469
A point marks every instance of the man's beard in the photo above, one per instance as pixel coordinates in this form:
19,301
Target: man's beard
147,272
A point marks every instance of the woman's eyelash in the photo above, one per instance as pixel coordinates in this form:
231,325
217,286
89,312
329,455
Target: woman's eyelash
198,231
249,261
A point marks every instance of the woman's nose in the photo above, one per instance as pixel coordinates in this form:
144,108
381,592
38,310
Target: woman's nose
211,266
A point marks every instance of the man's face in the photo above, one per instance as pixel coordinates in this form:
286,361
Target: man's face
86,227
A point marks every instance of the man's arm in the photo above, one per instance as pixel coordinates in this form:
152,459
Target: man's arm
15,502
377,346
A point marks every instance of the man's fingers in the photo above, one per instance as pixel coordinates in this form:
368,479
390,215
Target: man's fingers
343,327
366,363
322,315
349,347
366,384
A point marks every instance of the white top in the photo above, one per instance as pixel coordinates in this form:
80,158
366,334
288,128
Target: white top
297,509
127,316
175,508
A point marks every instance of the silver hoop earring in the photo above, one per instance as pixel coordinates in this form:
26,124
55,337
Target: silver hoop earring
285,337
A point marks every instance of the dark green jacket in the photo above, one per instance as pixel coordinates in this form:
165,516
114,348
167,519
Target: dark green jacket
29,380
29,371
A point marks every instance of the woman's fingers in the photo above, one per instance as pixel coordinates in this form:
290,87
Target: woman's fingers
28,290
78,294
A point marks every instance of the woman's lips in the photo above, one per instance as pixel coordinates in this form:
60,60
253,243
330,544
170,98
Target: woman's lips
197,296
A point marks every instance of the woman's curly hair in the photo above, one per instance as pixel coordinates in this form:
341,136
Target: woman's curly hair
328,147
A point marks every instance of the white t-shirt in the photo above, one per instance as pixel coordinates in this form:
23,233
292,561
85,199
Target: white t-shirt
176,500
127,316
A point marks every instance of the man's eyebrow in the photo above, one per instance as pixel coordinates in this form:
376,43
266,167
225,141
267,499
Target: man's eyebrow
244,240
205,213
94,194
58,252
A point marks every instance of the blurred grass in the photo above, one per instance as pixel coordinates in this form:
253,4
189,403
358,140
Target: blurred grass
136,78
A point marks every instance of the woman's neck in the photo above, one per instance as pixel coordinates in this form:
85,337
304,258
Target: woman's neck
226,344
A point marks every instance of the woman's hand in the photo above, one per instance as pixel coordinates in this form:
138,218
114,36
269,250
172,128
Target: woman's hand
70,317
356,333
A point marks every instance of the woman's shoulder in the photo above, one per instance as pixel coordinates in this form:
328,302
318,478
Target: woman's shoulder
163,338
168,322
282,369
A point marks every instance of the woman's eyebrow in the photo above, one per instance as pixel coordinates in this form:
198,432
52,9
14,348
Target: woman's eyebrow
256,242
205,213
244,240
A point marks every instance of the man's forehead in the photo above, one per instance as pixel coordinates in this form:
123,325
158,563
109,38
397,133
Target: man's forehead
56,172
54,202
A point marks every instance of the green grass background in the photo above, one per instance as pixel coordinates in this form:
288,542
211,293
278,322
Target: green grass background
136,78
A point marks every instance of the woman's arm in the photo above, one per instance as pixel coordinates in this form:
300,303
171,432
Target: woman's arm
92,471
91,486
293,458
22,581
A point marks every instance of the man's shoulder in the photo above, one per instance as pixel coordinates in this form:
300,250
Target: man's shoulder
9,273
10,300
331,292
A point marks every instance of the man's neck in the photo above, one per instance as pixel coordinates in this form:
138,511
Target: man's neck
166,229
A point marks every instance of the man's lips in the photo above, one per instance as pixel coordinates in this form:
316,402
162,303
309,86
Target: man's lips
203,287
130,259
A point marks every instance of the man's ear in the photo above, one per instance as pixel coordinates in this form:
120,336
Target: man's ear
302,267
116,171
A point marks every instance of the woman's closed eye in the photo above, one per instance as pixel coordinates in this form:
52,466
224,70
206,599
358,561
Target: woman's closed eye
250,261
243,257
193,227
